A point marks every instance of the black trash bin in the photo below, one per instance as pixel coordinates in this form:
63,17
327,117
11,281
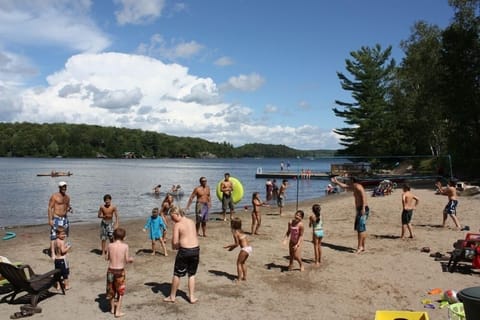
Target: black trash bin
471,302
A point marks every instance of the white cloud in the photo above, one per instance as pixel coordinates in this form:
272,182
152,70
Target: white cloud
50,22
135,91
243,82
269,108
14,68
224,61
203,94
10,103
171,51
304,105
138,11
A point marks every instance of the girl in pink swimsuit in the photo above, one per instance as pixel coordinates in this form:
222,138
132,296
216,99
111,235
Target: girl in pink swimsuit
295,232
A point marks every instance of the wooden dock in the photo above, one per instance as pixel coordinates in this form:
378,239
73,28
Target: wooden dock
366,181
290,175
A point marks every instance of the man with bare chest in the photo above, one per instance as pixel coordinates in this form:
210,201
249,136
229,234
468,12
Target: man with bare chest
58,207
108,213
361,207
202,206
227,200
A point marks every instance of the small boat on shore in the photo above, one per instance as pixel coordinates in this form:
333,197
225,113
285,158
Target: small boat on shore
465,189
55,174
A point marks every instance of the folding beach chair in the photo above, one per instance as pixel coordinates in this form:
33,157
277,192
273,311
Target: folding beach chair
23,279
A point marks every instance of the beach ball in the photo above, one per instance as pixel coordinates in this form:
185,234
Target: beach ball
450,296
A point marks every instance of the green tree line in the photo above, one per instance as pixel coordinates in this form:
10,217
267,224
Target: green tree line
89,141
428,104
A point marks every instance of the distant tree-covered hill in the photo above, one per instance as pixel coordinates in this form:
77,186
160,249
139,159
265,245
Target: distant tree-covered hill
89,141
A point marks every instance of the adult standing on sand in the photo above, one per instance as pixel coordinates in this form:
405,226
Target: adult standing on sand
361,207
451,208
227,200
184,240
58,207
202,206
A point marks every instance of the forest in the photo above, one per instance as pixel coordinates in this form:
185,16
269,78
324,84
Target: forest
90,141
427,104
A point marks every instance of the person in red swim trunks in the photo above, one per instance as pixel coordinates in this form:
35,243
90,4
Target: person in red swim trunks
117,256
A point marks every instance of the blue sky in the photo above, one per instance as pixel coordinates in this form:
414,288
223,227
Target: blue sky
240,71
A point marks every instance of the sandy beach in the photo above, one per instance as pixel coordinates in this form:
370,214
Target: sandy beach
393,274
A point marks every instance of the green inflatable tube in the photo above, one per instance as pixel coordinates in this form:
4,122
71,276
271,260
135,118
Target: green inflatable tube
237,193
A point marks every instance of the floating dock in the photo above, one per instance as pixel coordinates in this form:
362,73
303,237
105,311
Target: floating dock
290,175
366,181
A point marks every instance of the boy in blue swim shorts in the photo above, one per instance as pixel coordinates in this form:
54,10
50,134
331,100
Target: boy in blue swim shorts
361,219
451,208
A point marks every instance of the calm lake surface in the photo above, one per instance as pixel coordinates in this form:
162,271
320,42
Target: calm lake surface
24,196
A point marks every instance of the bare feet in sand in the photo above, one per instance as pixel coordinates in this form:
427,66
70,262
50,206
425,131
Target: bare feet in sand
169,299
120,314
193,300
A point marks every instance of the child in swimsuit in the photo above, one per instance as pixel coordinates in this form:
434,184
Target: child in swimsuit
59,249
256,216
316,223
156,226
295,232
117,257
245,250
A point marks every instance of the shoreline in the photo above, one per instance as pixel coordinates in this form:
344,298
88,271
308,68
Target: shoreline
190,214
393,274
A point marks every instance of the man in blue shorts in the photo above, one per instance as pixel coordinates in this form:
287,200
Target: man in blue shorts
361,207
202,206
58,207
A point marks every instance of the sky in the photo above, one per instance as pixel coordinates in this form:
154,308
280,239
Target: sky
235,71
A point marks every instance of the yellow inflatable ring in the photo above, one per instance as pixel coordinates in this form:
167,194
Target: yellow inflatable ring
237,193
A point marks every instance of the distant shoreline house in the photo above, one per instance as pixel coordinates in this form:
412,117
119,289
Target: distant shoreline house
129,155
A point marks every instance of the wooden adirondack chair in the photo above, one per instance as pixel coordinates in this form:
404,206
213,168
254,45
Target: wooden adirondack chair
24,279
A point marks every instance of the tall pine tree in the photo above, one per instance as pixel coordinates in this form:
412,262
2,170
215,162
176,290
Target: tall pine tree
368,117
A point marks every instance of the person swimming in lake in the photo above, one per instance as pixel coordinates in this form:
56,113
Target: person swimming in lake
156,189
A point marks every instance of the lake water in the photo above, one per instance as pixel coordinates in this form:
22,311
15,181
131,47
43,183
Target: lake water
24,196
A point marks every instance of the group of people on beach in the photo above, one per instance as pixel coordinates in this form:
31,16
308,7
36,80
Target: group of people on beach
409,204
185,231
